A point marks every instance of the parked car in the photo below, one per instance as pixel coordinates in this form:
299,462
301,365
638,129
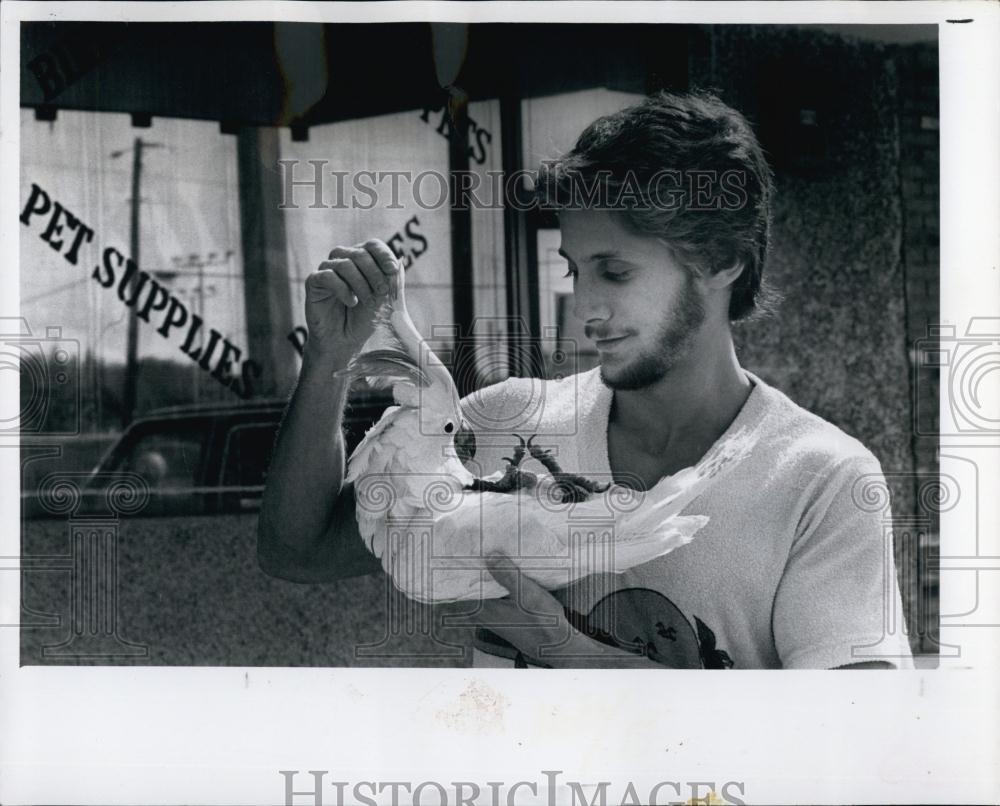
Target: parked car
197,459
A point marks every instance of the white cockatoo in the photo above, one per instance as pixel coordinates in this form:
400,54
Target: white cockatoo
432,523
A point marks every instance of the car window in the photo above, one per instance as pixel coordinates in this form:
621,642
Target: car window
247,454
167,460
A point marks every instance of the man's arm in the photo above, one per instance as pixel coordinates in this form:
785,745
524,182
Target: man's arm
307,530
838,594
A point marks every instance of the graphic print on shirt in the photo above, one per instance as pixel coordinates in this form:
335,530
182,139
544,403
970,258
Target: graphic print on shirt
646,622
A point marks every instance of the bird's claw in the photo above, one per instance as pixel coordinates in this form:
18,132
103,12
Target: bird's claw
519,452
569,493
544,456
570,487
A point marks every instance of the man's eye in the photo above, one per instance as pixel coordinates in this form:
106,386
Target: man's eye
614,270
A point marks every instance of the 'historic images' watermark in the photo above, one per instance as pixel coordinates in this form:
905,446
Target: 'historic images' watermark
317,790
667,189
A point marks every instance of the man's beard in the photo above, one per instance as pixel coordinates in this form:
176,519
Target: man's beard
672,343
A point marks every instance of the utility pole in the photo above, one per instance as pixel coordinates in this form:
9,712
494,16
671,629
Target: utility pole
132,348
266,294
128,399
201,315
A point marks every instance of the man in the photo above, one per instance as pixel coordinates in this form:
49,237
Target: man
664,214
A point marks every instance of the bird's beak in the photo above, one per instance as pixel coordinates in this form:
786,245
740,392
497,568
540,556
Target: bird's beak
465,444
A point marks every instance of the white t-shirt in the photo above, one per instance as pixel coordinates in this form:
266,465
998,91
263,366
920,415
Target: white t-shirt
793,570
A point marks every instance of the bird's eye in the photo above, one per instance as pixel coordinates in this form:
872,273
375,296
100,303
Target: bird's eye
449,427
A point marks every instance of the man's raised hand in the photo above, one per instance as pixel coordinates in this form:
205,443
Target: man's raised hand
342,296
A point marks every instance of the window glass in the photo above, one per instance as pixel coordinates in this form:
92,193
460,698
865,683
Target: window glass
553,122
169,460
488,261
188,243
247,454
381,177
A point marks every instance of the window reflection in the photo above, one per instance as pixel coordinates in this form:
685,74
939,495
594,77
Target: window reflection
167,461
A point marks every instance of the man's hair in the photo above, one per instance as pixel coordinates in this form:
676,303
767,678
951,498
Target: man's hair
686,168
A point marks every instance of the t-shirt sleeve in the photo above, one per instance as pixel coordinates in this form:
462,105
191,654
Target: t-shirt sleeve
838,599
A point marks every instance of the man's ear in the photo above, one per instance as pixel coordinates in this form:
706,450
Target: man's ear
724,277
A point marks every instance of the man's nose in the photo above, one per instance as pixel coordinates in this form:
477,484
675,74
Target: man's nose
588,306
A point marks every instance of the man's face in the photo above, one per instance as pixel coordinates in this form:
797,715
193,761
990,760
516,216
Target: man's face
642,310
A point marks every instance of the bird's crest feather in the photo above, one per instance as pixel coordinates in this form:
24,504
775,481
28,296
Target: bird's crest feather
386,367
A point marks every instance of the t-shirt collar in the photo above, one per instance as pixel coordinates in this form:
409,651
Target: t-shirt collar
594,423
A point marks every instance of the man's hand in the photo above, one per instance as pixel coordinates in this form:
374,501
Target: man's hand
343,295
534,621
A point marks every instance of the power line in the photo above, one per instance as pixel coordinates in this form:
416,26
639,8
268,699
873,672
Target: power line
56,290
172,271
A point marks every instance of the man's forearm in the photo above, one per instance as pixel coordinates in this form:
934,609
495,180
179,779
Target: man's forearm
307,469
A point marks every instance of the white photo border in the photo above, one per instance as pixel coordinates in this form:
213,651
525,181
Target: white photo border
151,735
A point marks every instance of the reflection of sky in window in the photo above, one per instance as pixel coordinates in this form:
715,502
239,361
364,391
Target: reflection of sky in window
396,142
552,123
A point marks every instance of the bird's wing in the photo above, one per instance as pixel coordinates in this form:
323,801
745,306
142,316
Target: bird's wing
443,560
369,469
367,453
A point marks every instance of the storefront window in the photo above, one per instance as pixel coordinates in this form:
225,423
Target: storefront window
77,177
382,177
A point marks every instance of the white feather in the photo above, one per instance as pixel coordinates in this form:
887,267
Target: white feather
439,556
